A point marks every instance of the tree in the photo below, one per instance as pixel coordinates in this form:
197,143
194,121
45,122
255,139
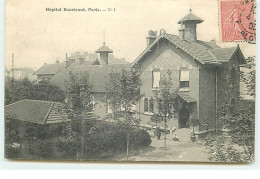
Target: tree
16,90
167,101
123,89
78,90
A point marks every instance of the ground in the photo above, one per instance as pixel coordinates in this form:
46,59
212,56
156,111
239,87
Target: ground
183,150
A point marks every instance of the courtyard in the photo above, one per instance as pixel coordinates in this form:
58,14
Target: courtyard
180,151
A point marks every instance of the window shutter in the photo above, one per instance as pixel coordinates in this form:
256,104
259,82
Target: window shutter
185,76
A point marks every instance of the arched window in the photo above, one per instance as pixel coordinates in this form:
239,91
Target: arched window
151,108
156,78
145,105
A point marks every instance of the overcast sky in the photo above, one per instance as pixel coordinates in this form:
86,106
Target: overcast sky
37,36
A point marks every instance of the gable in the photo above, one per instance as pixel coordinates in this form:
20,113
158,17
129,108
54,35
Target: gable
165,55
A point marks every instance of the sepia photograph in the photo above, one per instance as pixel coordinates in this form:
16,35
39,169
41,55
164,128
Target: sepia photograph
130,81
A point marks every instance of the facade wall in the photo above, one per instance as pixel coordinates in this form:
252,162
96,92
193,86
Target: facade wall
165,56
207,108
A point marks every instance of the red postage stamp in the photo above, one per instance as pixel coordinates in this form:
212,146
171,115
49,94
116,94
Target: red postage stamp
237,20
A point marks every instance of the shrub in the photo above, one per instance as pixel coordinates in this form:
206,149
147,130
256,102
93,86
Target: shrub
139,138
106,139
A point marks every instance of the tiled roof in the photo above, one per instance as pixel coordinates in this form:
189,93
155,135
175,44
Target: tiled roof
191,17
36,111
203,52
198,51
185,96
104,48
47,69
223,54
97,75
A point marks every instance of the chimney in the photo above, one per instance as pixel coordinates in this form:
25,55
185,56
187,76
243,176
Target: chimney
66,63
213,41
80,60
151,37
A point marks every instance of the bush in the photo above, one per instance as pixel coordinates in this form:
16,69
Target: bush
139,138
107,139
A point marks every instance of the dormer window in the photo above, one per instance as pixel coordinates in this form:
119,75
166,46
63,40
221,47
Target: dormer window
156,76
184,78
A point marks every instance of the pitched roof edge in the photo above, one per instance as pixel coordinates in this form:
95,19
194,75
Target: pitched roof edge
15,102
146,50
242,55
48,113
34,73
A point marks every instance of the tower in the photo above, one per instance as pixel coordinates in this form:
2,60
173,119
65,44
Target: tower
104,51
188,29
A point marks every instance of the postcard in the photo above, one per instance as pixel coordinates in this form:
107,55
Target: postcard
130,81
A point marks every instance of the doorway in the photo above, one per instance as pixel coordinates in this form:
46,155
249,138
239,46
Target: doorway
184,118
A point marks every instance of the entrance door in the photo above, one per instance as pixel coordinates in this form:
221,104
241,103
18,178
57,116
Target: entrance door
184,118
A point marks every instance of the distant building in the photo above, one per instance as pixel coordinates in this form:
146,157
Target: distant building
77,59
98,71
20,73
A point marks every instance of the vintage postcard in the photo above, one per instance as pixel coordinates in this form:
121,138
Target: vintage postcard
146,81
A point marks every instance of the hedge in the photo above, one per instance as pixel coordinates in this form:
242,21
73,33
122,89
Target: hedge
102,140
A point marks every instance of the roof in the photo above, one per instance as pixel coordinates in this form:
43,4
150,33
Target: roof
203,52
104,48
224,54
97,75
36,111
49,69
191,17
185,96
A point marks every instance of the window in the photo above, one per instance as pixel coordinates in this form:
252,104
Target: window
156,78
151,107
184,79
145,105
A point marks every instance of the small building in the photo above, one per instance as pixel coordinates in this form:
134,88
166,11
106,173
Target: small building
201,70
32,120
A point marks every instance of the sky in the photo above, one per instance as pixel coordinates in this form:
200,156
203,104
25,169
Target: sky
37,36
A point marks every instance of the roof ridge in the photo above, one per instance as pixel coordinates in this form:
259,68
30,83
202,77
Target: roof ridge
15,102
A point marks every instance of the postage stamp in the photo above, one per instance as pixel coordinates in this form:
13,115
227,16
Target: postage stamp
237,20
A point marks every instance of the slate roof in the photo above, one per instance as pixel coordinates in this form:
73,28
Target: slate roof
36,111
203,52
191,17
97,75
51,69
104,48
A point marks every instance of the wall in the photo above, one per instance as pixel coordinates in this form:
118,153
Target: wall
207,108
166,56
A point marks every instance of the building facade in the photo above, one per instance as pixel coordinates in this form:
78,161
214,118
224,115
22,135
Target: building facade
201,71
